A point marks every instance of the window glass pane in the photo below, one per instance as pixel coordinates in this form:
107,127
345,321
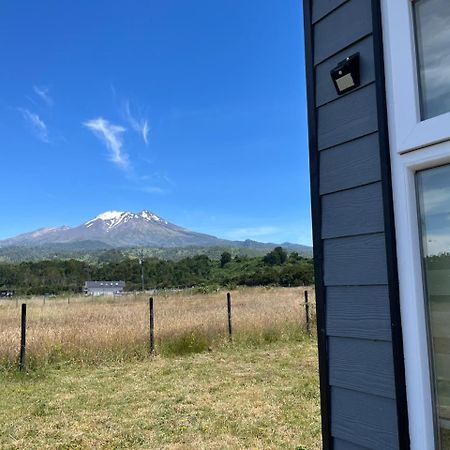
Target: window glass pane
433,186
432,22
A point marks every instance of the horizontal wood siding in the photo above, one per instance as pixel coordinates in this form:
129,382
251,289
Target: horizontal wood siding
350,165
347,118
351,228
346,25
352,212
321,8
359,312
355,261
326,91
364,419
362,365
339,444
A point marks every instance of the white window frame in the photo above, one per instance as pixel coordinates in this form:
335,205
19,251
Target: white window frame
415,145
412,299
409,132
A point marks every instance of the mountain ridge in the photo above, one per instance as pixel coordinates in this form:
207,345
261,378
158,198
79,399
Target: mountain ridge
125,229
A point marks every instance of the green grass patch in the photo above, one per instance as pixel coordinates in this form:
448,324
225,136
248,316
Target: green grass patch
238,396
184,344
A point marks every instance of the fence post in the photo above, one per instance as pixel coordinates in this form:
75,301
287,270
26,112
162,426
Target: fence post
152,326
43,298
230,329
308,322
23,337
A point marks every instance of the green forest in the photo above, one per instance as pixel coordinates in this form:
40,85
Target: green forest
56,276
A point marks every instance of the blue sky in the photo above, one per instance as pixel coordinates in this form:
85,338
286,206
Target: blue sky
192,109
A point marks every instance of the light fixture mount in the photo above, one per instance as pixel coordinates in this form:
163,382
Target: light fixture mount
346,75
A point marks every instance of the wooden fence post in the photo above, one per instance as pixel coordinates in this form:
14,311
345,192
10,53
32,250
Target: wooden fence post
152,326
23,337
230,328
308,322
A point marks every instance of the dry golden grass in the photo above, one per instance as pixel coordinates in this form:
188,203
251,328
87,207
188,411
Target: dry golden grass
104,329
260,392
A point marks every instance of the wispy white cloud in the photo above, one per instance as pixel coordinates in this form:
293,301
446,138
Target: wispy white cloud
153,189
159,177
155,183
435,200
145,130
113,90
111,136
44,94
138,124
434,59
37,125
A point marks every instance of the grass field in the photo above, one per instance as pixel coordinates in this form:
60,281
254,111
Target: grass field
91,383
95,331
261,396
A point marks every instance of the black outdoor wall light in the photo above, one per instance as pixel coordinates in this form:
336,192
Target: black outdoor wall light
345,75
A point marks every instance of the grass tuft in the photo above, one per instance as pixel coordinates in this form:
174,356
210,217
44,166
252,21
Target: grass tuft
189,342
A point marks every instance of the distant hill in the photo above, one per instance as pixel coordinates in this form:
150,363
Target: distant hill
125,231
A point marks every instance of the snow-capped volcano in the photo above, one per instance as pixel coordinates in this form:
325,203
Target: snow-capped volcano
118,229
113,219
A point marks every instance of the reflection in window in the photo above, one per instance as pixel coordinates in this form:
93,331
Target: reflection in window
433,187
432,25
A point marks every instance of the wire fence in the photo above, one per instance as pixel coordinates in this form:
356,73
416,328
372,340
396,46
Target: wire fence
85,329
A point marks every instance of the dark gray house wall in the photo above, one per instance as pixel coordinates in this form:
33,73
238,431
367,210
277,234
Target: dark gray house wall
361,355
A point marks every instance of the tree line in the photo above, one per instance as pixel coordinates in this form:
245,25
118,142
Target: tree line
68,276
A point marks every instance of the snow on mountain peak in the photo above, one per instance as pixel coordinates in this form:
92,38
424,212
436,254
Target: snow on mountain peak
110,215
114,218
151,217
